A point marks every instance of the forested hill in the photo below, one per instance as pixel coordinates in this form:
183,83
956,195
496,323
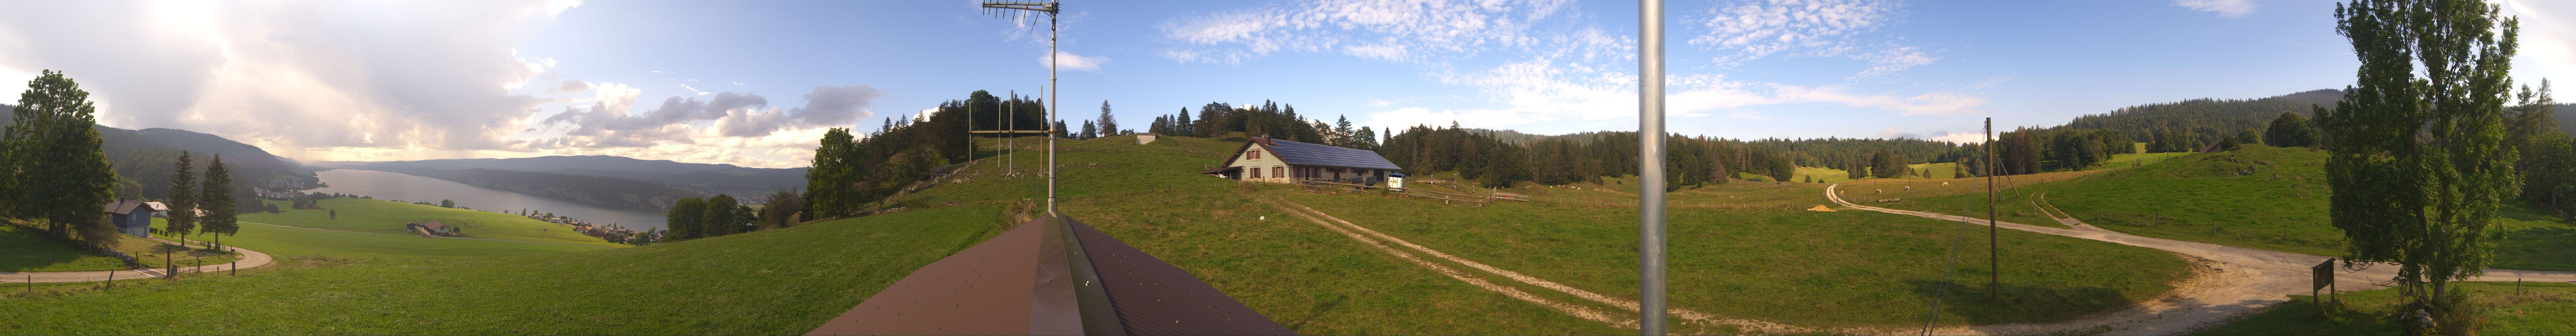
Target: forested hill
588,189
143,160
2207,119
699,177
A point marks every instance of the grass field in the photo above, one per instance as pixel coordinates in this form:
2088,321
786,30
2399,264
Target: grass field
2539,309
768,282
377,227
1830,269
2260,197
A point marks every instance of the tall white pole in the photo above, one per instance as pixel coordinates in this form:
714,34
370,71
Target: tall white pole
1650,187
1051,122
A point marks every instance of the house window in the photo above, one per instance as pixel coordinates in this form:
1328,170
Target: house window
1279,171
1252,154
1256,172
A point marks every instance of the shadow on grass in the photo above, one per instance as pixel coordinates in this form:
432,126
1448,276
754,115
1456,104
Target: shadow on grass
1978,304
2299,316
1320,309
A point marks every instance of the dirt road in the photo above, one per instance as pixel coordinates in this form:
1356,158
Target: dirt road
2241,281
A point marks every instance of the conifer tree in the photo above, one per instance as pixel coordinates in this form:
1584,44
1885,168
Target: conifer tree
183,198
216,197
1108,123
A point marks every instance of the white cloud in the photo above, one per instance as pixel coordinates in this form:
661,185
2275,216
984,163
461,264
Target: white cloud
1381,30
1069,60
2224,8
1965,138
1750,116
294,74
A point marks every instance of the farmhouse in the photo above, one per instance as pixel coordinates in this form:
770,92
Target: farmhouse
1263,159
130,217
432,227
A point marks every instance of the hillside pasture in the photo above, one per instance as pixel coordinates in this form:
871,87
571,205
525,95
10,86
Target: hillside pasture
782,281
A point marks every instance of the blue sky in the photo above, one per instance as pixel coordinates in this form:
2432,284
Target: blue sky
754,83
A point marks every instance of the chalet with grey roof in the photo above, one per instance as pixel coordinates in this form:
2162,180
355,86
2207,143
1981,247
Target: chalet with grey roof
1263,159
131,217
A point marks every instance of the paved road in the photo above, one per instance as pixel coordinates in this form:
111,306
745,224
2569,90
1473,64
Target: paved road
2244,281
249,259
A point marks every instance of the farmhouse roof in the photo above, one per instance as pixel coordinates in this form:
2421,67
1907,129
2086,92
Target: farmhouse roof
433,225
125,207
1319,155
157,206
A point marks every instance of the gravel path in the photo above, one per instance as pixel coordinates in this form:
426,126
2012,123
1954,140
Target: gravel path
2234,282
249,259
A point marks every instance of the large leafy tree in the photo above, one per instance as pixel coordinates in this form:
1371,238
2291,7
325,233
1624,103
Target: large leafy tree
721,216
216,196
682,221
826,183
2418,162
183,197
2290,130
57,171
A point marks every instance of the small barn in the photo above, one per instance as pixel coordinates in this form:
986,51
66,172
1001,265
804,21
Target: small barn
130,217
433,227
1263,159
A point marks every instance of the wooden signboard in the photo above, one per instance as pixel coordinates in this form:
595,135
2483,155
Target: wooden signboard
2323,278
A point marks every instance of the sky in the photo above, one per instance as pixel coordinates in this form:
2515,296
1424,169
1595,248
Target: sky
756,83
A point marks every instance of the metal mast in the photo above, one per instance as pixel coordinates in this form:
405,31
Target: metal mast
1051,8
1650,186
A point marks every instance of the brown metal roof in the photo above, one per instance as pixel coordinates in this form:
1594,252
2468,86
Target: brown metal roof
1155,298
993,288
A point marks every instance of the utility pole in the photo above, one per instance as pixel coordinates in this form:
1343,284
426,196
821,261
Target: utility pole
1650,161
1994,262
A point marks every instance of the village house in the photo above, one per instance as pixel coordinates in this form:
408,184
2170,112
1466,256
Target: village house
432,227
1263,159
131,217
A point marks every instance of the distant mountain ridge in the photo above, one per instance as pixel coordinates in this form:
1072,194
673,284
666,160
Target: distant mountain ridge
698,177
143,160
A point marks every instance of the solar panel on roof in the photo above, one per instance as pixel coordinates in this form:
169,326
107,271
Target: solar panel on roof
1321,155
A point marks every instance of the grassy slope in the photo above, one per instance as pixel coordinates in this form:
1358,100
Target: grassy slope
377,216
1808,268
21,250
2542,309
784,281
2200,197
25,251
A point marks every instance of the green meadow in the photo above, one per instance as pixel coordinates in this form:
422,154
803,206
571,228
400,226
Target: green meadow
2500,308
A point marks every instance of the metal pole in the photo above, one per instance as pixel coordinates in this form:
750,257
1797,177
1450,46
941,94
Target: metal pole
1650,192
1013,119
1994,262
1051,121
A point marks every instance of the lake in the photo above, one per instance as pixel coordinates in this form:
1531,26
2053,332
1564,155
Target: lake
408,188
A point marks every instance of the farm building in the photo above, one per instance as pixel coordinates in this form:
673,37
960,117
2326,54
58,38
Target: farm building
1263,159
130,217
432,227
158,209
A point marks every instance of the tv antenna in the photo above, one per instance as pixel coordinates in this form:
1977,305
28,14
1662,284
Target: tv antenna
1014,10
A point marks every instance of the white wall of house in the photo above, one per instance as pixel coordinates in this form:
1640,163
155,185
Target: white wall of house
1264,165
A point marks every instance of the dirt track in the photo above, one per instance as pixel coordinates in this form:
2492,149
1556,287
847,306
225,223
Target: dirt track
2236,281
